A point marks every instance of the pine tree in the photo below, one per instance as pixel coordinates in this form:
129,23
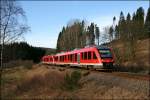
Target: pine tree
116,32
128,26
147,25
90,34
139,22
121,26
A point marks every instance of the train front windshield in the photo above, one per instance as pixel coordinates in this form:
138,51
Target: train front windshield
105,53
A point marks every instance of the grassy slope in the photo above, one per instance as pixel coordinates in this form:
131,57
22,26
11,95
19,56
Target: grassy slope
47,82
142,53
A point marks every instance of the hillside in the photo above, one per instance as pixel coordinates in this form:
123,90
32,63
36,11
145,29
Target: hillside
142,54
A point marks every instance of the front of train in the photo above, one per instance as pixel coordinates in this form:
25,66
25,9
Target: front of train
107,56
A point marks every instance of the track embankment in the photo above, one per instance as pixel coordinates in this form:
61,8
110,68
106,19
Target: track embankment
117,73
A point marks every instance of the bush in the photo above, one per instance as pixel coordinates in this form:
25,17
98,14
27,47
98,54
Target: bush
118,57
72,81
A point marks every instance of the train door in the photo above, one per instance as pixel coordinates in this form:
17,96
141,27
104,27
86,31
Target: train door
78,58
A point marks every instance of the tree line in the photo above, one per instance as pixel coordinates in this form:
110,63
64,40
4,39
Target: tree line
22,51
130,29
133,26
77,35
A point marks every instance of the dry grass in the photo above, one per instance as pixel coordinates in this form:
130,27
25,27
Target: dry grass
101,86
141,60
46,83
10,77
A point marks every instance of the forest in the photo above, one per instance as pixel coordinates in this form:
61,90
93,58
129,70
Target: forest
22,51
128,29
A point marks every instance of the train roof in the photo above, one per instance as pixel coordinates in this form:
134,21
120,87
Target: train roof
82,49
87,48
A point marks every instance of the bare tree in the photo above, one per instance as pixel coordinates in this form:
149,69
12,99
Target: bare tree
12,23
105,35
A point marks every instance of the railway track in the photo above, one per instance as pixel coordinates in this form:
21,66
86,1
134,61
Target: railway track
117,73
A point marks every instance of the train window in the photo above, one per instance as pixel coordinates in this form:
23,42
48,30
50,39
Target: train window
56,58
62,58
68,57
71,57
85,55
82,55
75,57
59,58
89,55
94,55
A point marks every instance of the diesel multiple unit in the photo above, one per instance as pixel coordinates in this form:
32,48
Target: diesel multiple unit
94,57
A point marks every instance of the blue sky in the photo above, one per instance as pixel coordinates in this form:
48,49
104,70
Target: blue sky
46,18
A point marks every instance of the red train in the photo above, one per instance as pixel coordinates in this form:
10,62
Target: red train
94,57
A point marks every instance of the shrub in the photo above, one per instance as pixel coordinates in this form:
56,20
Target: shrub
118,57
72,81
31,83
